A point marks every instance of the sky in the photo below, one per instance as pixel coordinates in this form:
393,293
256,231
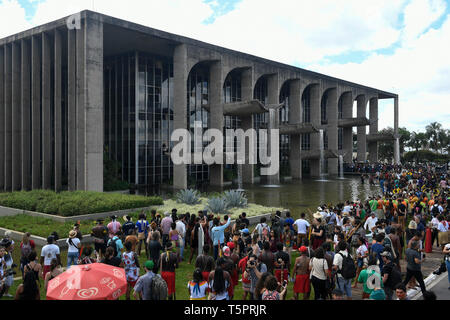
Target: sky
399,46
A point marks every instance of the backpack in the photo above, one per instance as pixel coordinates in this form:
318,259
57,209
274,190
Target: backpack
158,289
348,270
395,277
112,244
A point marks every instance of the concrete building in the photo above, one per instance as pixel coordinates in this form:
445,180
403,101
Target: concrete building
87,85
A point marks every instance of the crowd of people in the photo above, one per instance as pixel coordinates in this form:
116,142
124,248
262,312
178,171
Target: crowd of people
340,247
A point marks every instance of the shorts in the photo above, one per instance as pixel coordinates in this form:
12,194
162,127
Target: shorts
9,281
360,262
46,270
300,237
302,284
132,283
169,278
278,274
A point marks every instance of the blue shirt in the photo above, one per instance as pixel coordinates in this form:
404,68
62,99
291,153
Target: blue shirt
378,249
217,233
290,222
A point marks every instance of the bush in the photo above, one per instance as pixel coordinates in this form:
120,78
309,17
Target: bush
235,199
217,206
74,203
188,196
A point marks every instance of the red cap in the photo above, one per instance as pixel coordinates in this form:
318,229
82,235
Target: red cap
230,245
303,249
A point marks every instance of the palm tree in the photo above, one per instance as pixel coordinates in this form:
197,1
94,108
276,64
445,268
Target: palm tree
432,133
418,140
444,139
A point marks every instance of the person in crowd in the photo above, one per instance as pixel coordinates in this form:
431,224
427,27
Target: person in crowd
272,287
368,275
253,271
282,264
446,251
267,257
143,288
53,272
218,236
29,289
181,229
198,287
33,266
73,249
301,274
219,281
343,283
116,244
100,235
113,227
131,264
26,247
260,286
48,253
319,270
111,259
400,292
362,254
166,223
413,268
86,256
390,274
132,237
155,248
168,264
142,227
128,227
302,227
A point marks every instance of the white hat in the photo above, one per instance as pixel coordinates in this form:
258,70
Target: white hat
166,214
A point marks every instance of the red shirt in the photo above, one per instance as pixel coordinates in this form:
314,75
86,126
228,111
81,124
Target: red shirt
242,266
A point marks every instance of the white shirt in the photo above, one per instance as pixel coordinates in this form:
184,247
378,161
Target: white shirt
339,221
346,209
318,268
74,248
337,261
441,227
370,222
301,224
435,223
361,251
49,253
181,228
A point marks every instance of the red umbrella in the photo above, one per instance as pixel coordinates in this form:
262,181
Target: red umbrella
95,281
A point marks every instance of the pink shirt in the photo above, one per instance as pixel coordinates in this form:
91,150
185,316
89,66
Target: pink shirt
165,225
113,227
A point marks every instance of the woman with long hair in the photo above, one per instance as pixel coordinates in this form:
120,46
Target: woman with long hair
53,273
33,266
219,285
26,247
271,292
29,289
319,270
260,285
195,222
197,287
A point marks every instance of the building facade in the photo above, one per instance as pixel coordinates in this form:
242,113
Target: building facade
88,86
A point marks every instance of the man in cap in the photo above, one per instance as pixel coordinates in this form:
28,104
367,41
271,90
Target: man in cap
301,275
100,234
143,285
389,274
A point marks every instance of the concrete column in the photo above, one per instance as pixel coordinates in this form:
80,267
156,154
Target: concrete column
248,174
36,55
180,75
46,112
315,96
361,144
216,116
8,118
81,112
93,105
71,110
26,112
57,110
347,112
273,88
332,130
397,140
295,117
16,118
373,113
2,118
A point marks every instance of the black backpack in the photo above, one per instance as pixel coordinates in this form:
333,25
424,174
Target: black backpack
348,270
112,244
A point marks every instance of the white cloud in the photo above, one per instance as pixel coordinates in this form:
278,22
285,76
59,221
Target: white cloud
12,18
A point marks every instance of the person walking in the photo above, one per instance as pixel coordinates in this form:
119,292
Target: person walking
168,264
49,253
143,288
142,227
198,287
413,268
131,263
301,275
343,269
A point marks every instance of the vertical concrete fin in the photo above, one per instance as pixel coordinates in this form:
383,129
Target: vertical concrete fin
26,115
2,118
36,57
93,106
46,112
16,117
81,105
71,110
57,109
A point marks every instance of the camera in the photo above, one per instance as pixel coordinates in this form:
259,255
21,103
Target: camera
285,283
252,263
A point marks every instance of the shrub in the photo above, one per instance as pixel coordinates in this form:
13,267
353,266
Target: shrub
235,199
217,206
188,196
75,203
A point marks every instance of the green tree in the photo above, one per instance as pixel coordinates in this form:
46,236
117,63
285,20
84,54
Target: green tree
432,133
